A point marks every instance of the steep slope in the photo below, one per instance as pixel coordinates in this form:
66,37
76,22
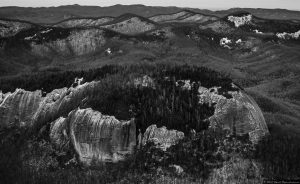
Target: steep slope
78,42
250,23
12,27
83,22
130,24
95,137
185,16
55,14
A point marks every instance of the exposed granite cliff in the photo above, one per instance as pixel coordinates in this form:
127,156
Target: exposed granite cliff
240,114
94,136
104,138
18,108
162,137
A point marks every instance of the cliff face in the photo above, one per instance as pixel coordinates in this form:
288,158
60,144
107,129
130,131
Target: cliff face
33,110
99,137
240,114
94,136
18,108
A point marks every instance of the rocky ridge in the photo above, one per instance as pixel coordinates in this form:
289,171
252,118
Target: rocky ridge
94,136
84,22
79,42
10,27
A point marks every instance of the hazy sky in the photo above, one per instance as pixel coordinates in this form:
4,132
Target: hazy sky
210,4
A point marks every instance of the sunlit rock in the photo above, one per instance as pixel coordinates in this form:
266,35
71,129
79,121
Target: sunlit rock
18,108
59,133
239,114
285,35
100,137
144,81
162,137
239,21
224,42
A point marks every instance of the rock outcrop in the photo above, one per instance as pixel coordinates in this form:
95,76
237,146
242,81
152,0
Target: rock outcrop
18,108
59,133
240,20
240,114
161,137
33,110
94,136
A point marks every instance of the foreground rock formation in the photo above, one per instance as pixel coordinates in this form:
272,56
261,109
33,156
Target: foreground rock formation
19,107
240,114
94,136
104,138
162,137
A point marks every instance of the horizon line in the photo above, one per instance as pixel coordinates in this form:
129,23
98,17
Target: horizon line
204,8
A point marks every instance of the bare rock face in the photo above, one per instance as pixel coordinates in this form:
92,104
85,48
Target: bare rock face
162,137
59,133
18,108
240,114
31,109
94,136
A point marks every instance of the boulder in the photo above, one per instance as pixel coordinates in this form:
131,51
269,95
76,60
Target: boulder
94,136
162,137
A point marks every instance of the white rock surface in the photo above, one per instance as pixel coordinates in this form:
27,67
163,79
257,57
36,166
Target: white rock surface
162,137
239,21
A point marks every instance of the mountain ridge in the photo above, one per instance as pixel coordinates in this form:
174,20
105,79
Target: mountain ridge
56,14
